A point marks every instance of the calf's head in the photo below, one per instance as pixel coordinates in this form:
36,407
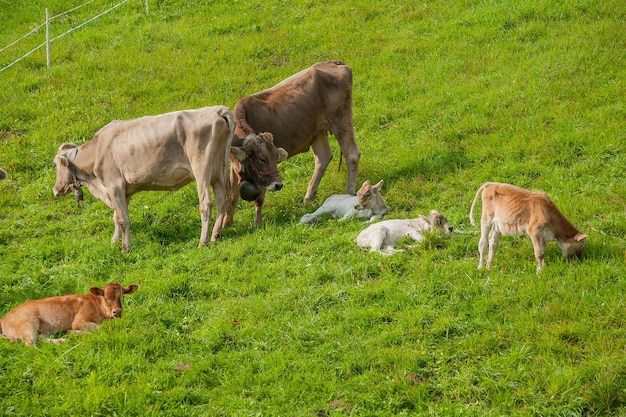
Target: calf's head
572,248
110,298
367,196
439,222
65,170
257,161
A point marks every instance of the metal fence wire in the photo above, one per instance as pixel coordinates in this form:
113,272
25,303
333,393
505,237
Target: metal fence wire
49,40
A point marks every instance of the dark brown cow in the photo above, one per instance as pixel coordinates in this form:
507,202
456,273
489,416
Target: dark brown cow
163,152
300,112
62,314
253,164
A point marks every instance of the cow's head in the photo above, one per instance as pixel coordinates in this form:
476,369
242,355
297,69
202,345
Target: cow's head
572,248
111,297
257,159
439,222
66,171
367,195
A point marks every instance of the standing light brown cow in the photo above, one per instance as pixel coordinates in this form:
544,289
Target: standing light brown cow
62,314
509,210
300,112
163,152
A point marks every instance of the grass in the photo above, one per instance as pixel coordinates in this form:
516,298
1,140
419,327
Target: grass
286,320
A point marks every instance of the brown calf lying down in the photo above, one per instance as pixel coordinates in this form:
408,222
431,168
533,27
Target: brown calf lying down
62,314
509,210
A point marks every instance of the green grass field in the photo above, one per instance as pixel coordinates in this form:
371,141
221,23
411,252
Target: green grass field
290,320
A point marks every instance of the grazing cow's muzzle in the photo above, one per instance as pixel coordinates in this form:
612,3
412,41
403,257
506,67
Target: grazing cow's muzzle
275,186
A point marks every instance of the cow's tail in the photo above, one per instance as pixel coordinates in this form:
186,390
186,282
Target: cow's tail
227,115
241,121
340,159
478,192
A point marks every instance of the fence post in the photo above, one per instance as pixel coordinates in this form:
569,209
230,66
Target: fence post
47,38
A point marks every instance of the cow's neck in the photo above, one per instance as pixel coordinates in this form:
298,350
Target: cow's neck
82,160
379,205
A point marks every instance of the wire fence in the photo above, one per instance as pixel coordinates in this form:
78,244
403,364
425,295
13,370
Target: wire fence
49,40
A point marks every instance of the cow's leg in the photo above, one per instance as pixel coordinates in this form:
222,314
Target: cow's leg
220,190
323,209
378,239
350,151
483,244
232,199
81,325
258,206
122,221
494,239
27,332
205,204
416,235
322,155
539,247
116,232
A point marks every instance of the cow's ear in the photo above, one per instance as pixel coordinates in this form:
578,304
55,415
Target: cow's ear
379,185
96,291
130,289
580,236
65,146
64,161
282,154
366,182
238,153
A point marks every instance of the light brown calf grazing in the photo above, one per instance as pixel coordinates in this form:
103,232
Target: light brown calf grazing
509,210
62,314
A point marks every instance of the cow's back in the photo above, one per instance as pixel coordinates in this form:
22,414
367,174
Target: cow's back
300,108
514,209
155,152
48,315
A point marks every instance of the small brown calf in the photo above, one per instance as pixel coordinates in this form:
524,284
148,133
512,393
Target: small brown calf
62,314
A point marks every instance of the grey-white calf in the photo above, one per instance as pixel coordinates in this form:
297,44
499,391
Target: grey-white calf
383,236
366,203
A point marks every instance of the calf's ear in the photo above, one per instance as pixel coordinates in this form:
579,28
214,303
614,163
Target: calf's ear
130,289
282,154
580,236
379,185
238,153
96,291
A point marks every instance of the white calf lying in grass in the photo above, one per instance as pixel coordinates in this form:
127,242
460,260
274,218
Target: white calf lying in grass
366,203
382,236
